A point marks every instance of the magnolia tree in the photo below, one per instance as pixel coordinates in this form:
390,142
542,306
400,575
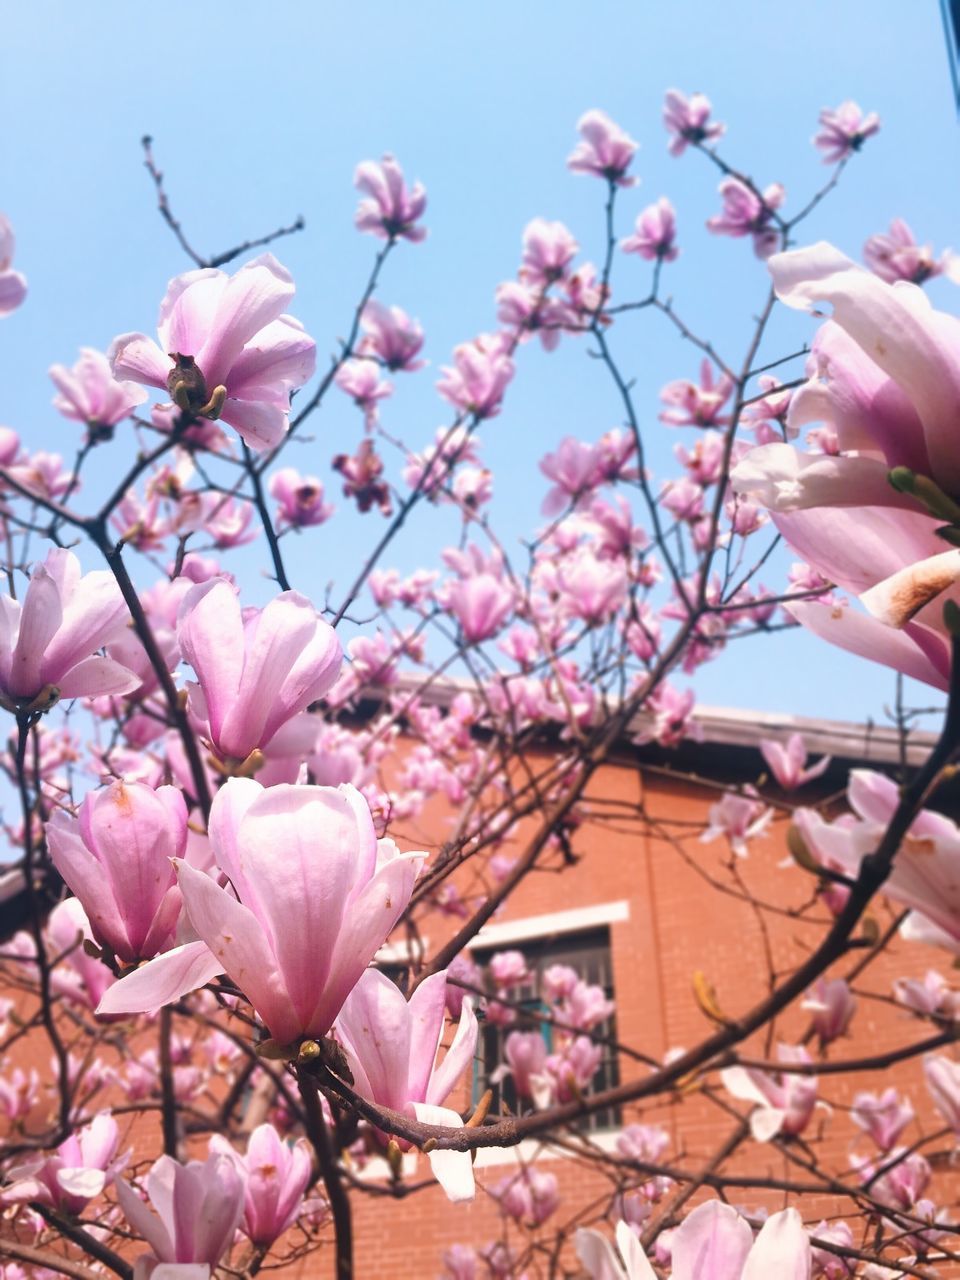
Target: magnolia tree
211,1046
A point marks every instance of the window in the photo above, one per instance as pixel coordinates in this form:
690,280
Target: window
588,954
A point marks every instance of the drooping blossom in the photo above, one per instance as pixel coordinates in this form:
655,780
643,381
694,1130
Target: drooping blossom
84,1164
256,669
317,894
300,498
654,233
784,1100
886,379
479,376
391,1044
391,336
361,381
391,209
844,130
896,255
526,1058
116,859
787,763
19,1091
49,641
198,1206
747,212
688,121
274,1175
605,150
361,473
221,331
712,1243
89,393
530,1196
13,286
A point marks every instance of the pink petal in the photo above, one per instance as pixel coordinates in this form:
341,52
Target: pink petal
458,1057
260,424
250,300
782,1249
162,980
712,1243
858,633
452,1169
137,357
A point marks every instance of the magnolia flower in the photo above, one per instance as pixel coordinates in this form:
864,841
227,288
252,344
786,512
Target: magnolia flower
256,669
654,233
896,255
391,336
316,895
942,1076
89,393
274,1176
843,131
886,379
785,1101
479,376
748,212
548,250
300,498
688,121
84,1164
391,1045
712,1243
117,860
391,209
605,150
198,1208
13,286
883,1117
48,641
227,350
786,763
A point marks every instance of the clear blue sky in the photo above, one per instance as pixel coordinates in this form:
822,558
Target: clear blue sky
260,113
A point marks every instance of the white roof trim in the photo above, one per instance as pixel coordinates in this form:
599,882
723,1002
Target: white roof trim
575,921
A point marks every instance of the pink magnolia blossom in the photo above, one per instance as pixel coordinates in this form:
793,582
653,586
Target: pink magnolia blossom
844,130
688,121
712,1243
13,286
942,1076
391,209
481,604
48,641
318,895
116,859
700,404
654,233
887,381
218,330
526,1059
84,1164
90,394
740,818
548,250
509,969
572,1069
832,1005
391,1044
361,381
786,763
926,871
575,469
884,1117
784,1101
479,376
361,478
300,498
529,1196
929,996
255,669
605,150
274,1175
198,1209
749,213
896,255
19,1091
42,473
391,336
